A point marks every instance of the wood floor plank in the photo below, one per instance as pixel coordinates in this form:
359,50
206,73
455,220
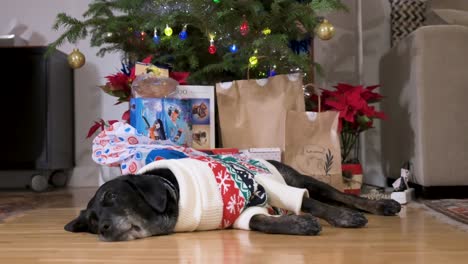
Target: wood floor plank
413,237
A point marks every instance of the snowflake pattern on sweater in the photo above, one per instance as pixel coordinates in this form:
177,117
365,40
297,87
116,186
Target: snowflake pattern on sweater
236,182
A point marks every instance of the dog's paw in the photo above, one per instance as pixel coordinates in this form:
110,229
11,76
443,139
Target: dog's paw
305,224
387,207
348,219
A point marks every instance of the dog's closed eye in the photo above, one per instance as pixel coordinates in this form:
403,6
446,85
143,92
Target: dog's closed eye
108,199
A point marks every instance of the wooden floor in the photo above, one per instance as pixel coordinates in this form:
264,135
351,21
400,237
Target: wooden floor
413,237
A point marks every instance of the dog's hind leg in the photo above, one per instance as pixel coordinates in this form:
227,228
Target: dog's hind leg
323,191
336,216
305,225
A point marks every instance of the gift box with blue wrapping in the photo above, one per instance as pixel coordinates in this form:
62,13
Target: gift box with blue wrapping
185,122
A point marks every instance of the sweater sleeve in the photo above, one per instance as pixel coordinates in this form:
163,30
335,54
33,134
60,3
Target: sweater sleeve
243,221
282,195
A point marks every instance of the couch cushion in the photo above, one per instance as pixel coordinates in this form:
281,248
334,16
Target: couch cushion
449,4
447,16
406,16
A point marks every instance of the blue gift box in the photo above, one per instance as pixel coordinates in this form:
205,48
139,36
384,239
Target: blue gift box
172,119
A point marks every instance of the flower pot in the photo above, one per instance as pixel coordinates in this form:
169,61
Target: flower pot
352,178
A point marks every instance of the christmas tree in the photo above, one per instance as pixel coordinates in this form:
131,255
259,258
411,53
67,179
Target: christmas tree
214,40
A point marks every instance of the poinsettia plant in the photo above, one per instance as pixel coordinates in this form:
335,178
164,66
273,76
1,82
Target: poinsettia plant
356,113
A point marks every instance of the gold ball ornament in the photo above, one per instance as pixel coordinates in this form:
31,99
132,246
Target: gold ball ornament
325,30
76,59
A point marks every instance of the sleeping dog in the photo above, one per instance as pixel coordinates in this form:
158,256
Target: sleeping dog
150,204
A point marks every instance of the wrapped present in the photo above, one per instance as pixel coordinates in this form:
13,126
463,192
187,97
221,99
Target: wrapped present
185,122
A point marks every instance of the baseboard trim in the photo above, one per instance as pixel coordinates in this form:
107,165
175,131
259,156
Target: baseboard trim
437,192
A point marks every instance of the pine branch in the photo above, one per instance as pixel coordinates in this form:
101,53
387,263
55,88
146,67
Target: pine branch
328,5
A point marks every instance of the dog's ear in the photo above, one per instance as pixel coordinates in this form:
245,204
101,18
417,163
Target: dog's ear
79,224
151,189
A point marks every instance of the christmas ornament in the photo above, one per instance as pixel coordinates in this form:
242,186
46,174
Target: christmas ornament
156,37
233,48
142,35
76,59
217,1
272,71
212,47
183,34
168,31
266,31
244,28
325,30
253,61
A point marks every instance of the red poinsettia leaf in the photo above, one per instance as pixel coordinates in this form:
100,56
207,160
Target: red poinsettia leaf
93,129
147,59
126,116
372,87
111,122
337,105
380,115
343,87
132,73
349,114
180,77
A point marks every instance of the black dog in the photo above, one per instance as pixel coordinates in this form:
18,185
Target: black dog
132,207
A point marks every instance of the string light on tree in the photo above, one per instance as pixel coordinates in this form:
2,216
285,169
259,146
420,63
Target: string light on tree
266,31
272,71
142,35
183,34
168,31
253,61
156,37
325,30
244,28
216,1
233,48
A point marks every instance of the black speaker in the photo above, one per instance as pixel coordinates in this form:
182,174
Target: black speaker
36,113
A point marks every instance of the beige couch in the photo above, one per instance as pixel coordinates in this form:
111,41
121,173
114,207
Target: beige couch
425,81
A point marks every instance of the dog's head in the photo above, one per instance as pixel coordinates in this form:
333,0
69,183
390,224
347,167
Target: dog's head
130,207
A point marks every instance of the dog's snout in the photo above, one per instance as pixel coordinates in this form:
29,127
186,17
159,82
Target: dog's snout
105,227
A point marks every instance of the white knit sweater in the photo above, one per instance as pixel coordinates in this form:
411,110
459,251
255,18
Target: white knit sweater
200,201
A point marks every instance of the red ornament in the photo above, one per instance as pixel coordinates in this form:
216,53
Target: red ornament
244,28
212,49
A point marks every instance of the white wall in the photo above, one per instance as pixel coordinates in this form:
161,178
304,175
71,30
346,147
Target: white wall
338,56
33,20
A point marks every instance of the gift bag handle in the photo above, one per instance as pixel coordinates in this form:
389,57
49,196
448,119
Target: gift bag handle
315,92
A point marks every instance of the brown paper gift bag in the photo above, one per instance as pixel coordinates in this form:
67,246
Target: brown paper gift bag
313,146
252,113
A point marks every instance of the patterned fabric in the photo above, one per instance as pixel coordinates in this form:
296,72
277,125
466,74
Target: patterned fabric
406,17
236,181
120,145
